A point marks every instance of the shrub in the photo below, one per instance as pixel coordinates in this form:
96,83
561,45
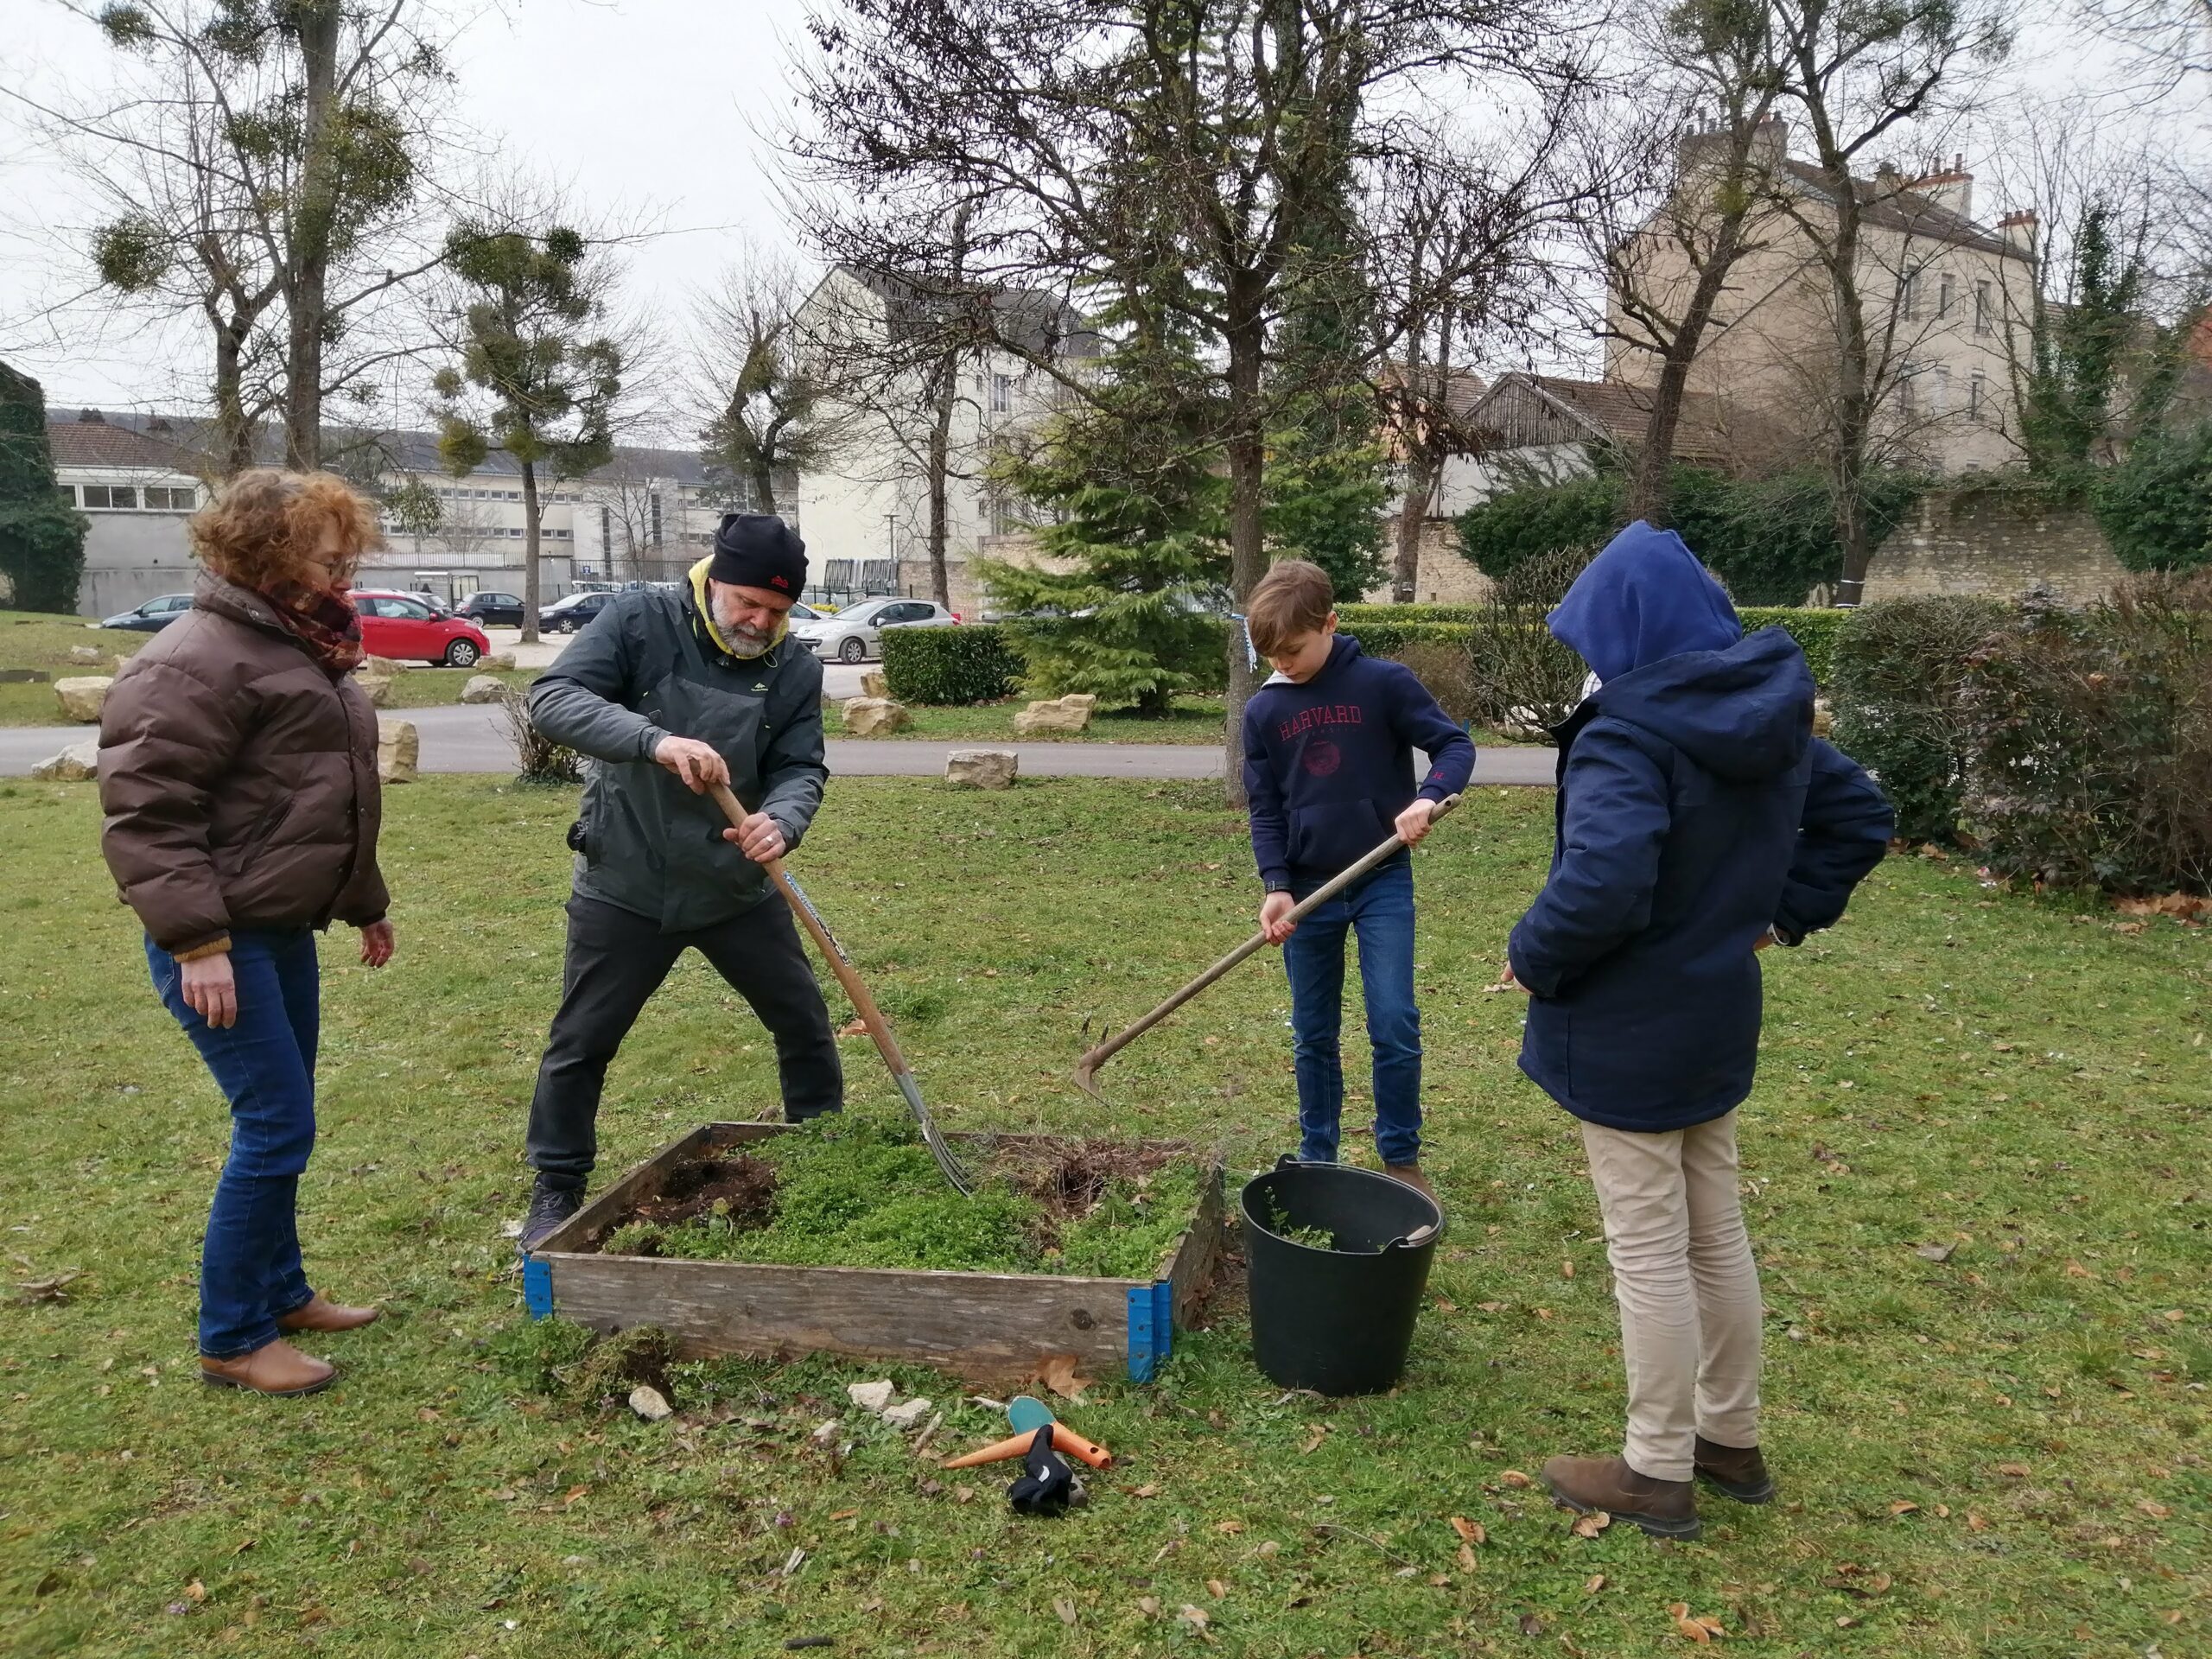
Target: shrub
2156,506
1449,671
2090,737
1816,631
973,663
538,759
1900,672
1350,617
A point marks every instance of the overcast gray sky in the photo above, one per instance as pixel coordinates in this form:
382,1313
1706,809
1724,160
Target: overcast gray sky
647,108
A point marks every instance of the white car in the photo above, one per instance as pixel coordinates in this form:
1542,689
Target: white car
856,633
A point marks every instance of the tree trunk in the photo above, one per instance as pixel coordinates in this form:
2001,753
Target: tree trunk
233,445
1650,496
317,22
764,487
532,586
1246,339
1854,414
940,461
1412,515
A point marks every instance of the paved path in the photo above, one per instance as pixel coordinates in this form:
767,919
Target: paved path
460,738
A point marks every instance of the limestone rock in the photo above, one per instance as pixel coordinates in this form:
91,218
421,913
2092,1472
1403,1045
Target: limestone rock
385,666
1066,715
871,1396
122,661
907,1414
88,655
497,660
79,763
983,768
873,684
1086,700
399,751
377,688
874,717
649,1403
484,688
82,694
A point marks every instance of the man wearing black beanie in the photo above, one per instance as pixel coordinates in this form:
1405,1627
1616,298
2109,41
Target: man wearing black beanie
671,693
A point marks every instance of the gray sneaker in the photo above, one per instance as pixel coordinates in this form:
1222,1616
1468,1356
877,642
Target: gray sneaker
550,1206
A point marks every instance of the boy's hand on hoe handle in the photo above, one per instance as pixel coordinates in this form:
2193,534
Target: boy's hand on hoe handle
1414,822
1275,917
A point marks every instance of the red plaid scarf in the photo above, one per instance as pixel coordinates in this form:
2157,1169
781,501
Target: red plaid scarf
325,623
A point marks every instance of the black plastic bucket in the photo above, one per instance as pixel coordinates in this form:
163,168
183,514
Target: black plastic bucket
1336,1320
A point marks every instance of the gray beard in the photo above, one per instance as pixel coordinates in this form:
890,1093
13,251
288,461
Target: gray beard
744,642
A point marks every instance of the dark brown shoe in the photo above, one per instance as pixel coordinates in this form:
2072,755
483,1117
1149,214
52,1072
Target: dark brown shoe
1411,1175
1665,1509
274,1367
320,1313
1739,1472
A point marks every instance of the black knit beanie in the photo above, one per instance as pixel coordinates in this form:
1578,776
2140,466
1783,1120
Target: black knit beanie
759,549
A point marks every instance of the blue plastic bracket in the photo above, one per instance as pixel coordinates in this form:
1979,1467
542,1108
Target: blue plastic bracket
1152,1328
537,1286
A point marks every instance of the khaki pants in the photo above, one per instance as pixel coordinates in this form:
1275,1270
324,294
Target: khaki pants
1688,1289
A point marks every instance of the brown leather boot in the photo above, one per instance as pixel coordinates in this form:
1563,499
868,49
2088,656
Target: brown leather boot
1411,1175
274,1367
320,1313
1665,1509
1739,1472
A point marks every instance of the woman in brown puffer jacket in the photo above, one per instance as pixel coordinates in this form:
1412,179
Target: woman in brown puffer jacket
237,771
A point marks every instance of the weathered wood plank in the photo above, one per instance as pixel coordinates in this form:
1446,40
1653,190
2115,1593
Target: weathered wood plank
978,1323
625,1194
1197,1253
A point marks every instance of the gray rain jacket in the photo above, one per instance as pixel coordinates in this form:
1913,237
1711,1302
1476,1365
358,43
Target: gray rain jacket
643,668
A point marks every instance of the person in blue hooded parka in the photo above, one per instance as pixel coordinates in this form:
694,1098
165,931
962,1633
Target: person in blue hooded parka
1699,821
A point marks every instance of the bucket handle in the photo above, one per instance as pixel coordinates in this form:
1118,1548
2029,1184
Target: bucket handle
1425,1234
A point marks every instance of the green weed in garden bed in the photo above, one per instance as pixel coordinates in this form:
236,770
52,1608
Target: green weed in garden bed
860,1192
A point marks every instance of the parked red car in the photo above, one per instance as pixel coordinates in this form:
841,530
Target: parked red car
401,627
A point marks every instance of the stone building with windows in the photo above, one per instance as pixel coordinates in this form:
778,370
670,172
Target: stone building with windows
136,489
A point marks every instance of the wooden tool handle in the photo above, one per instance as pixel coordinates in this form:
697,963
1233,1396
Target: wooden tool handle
863,1004
1321,895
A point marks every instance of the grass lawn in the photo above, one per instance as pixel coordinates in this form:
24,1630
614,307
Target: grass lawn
2000,1454
1197,720
35,639
433,687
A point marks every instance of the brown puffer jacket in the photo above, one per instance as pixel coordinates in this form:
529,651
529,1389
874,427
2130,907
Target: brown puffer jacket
239,781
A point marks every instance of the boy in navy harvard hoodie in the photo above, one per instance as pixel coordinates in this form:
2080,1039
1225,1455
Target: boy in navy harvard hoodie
1329,744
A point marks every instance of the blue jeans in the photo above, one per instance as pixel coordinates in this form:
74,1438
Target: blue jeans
249,1272
1379,910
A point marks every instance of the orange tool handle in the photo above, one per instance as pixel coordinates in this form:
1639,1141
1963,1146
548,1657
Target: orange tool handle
1064,1439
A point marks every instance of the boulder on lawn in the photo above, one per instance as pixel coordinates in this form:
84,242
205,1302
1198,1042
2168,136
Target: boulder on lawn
122,661
1063,714
873,684
983,768
376,687
484,688
874,717
90,656
82,694
497,660
79,763
399,750
387,666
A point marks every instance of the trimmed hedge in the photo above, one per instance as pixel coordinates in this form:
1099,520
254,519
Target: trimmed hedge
1384,629
1350,617
971,662
1816,631
1903,667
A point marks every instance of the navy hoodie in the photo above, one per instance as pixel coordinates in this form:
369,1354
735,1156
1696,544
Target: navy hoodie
1329,764
1695,809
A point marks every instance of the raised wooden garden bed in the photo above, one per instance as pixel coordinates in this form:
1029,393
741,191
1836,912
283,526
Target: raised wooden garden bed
977,1324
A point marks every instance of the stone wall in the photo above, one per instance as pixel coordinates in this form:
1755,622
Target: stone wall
1997,542
1445,576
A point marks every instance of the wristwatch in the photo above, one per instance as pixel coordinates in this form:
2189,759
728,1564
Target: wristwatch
1786,941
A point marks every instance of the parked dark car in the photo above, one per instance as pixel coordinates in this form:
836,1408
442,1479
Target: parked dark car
568,615
490,610
151,617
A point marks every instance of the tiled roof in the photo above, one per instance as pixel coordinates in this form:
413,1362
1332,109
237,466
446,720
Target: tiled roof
98,444
1899,207
1710,428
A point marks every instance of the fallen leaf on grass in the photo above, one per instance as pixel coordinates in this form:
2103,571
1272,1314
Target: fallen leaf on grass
1197,1618
1148,1490
1467,1558
1470,1531
835,1515
964,1494
1320,1433
195,1592
1594,1584
2155,1510
1531,1625
1229,1529
2017,1470
1904,1506
1936,1253
1060,1377
853,1028
1148,1606
1590,1525
1516,1479
1065,1608
572,1494
1216,1588
1268,1546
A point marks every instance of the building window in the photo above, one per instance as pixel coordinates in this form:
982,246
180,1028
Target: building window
655,517
68,494
1985,313
1909,296
1978,398
605,526
1943,296
171,500
1909,390
1939,390
110,497
1002,394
